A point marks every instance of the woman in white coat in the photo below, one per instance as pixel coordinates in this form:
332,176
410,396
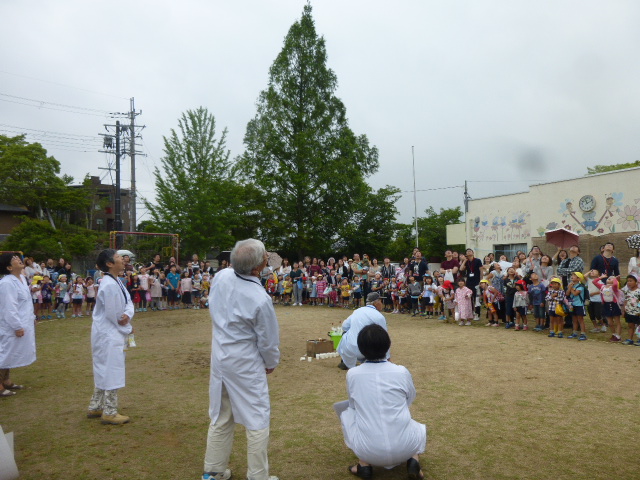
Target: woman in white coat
17,322
109,331
376,421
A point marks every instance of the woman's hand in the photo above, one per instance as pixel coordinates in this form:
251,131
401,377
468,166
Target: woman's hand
20,332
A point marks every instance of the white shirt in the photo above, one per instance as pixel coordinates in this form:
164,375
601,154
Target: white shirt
245,342
377,424
107,336
16,312
348,347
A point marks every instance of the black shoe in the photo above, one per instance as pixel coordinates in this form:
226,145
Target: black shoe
413,469
362,472
342,366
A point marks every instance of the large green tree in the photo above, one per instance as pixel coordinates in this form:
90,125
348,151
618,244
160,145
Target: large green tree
300,151
195,194
32,179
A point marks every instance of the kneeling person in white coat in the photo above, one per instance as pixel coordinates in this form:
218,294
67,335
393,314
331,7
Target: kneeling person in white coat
109,331
376,421
348,346
244,351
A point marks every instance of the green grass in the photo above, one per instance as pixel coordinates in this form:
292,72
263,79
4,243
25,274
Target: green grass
498,404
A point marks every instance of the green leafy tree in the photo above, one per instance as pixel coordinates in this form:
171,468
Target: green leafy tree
300,152
39,239
372,226
610,168
432,230
195,194
31,179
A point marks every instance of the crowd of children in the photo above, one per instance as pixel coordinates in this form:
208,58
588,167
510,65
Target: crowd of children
512,293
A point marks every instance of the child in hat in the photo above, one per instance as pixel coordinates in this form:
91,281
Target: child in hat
577,294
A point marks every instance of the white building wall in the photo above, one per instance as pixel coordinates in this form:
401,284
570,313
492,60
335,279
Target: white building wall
516,218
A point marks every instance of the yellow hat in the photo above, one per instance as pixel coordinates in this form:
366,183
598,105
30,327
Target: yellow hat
484,280
580,276
556,280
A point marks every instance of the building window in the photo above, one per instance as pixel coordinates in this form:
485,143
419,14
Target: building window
509,250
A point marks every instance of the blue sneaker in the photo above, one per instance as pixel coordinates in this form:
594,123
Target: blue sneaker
637,344
628,341
582,337
552,334
226,475
573,335
560,335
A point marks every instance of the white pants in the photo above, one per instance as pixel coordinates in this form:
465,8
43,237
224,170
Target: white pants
220,441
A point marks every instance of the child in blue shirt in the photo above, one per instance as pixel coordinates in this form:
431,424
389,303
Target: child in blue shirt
537,292
576,293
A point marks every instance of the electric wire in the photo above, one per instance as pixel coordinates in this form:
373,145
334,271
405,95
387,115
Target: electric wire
62,85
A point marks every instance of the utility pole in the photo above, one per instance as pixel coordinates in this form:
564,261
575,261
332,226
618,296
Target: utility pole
108,143
132,154
118,202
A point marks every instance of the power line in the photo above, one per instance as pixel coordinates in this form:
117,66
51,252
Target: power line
55,104
62,85
432,189
47,131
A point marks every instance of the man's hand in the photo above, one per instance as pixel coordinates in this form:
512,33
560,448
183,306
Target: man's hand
269,370
124,319
20,332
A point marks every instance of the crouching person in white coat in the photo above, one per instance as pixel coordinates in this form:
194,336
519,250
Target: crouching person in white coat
17,322
244,351
109,331
376,421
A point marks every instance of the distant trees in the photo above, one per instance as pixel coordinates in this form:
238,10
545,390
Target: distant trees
610,168
30,178
196,195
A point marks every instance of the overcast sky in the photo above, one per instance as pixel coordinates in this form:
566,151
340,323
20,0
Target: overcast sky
501,93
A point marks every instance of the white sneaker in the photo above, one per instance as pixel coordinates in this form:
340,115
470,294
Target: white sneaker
476,318
603,329
461,323
468,323
596,330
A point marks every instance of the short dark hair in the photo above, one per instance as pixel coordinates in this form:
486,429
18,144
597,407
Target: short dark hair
5,262
374,342
104,257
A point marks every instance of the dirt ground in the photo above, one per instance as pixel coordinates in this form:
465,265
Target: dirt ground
498,404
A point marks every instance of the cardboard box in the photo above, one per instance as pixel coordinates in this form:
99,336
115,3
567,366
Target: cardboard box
319,346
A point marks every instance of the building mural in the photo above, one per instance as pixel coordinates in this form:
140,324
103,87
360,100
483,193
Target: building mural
593,205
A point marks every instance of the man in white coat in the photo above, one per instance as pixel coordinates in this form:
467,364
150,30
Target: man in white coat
17,322
109,331
244,351
348,346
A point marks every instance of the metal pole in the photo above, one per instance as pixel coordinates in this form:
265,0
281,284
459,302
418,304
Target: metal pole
132,152
415,203
117,200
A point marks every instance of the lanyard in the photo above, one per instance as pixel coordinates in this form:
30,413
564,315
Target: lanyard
124,292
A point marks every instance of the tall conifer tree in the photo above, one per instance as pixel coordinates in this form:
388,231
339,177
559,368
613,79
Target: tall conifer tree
300,151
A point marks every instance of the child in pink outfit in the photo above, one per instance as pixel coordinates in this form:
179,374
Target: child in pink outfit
462,299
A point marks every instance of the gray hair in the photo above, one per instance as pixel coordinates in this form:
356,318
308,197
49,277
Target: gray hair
247,255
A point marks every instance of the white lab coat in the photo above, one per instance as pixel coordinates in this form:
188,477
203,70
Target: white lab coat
245,342
16,312
348,346
377,423
107,336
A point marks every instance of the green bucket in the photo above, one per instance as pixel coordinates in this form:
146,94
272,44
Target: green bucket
336,337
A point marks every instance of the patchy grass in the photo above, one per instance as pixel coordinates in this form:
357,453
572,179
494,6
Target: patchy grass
498,404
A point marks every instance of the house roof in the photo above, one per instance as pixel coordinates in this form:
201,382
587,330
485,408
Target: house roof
12,208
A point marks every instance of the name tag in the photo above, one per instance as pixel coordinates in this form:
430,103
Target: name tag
472,275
